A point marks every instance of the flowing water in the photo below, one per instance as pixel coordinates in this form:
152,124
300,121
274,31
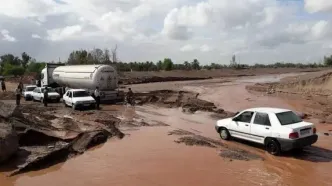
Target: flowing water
150,157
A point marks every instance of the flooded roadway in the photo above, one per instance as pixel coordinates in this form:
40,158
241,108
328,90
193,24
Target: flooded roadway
149,156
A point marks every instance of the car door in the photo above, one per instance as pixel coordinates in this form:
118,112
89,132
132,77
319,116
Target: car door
261,127
70,98
240,126
39,94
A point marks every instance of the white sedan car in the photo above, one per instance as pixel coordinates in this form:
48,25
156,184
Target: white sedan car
38,95
78,98
277,129
28,91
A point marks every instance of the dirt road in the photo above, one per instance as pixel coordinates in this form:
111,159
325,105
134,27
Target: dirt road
163,155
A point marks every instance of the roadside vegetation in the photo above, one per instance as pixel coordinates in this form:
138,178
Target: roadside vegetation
11,65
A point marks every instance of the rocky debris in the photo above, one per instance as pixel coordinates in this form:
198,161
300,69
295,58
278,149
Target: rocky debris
303,115
8,141
326,134
191,139
180,132
45,139
238,154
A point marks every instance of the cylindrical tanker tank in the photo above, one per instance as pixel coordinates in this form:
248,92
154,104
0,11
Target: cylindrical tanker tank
86,76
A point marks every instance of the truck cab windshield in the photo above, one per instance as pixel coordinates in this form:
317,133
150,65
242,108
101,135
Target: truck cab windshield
80,94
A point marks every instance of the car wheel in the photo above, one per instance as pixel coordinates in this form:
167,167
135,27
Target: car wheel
224,134
25,98
273,147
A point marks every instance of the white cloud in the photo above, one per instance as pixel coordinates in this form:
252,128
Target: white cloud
314,6
36,36
256,30
6,36
205,48
68,32
187,48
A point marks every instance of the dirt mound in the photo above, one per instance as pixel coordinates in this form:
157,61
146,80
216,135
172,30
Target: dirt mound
45,139
7,95
8,141
170,98
239,154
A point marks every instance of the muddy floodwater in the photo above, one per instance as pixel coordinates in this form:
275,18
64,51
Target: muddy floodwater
150,156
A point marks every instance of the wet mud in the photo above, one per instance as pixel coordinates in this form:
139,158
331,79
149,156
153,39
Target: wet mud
230,153
45,139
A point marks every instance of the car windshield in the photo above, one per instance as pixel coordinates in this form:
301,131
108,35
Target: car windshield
80,94
30,88
49,90
289,117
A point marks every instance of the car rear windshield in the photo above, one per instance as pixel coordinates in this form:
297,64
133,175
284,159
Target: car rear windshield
30,88
80,94
287,118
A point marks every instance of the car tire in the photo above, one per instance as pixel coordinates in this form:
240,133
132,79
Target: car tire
224,134
273,147
26,99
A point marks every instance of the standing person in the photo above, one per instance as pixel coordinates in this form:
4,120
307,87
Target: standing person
97,97
3,85
18,95
21,86
130,96
45,100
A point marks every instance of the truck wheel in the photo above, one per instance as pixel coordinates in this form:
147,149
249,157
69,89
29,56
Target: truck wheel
273,147
224,134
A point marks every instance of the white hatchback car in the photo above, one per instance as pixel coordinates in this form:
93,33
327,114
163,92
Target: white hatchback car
27,92
78,98
38,95
277,129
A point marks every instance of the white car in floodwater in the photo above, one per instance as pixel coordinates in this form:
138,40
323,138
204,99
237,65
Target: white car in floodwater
277,129
28,91
78,98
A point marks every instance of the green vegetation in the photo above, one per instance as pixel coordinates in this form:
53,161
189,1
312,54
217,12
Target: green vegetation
14,65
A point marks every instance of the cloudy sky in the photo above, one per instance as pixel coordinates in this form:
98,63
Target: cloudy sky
257,31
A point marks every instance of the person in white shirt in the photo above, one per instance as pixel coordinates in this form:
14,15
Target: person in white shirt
97,97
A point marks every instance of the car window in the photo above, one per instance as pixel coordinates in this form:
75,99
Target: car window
29,88
70,94
67,94
289,117
245,117
262,119
80,94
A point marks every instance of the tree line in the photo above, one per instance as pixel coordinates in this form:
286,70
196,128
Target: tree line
19,65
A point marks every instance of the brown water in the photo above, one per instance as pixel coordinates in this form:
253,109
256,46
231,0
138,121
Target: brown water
150,157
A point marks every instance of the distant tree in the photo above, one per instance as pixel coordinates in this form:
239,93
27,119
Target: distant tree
159,65
167,64
195,65
25,59
187,65
328,60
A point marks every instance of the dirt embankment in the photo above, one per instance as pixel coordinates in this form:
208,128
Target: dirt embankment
183,75
188,101
45,139
313,90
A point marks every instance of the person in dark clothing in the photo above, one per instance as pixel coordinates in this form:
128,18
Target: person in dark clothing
21,86
45,100
130,96
97,97
3,86
18,95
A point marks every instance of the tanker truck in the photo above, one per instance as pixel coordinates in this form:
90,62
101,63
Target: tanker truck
86,77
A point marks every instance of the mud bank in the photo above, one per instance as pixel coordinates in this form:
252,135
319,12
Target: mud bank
188,101
231,153
153,79
45,139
